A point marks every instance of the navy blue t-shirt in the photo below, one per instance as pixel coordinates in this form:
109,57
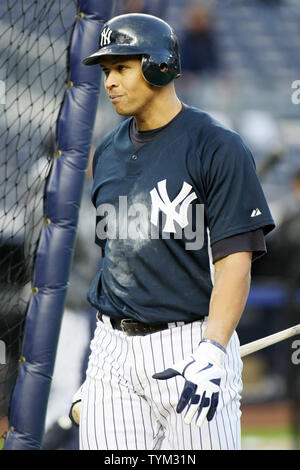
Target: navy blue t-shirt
160,207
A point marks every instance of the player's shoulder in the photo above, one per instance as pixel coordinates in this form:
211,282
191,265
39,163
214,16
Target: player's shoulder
108,138
209,126
215,139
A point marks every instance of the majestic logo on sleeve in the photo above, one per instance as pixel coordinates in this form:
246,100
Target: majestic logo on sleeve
105,37
161,201
255,212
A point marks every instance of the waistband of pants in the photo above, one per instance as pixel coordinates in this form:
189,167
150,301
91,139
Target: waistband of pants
134,328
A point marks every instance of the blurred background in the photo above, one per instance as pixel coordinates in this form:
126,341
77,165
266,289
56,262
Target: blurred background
240,63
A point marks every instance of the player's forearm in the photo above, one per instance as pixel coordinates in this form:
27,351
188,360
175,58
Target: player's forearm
229,295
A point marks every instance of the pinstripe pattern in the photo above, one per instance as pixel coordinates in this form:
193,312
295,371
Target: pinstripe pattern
124,408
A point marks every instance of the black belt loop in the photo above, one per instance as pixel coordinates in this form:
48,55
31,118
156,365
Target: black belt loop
134,328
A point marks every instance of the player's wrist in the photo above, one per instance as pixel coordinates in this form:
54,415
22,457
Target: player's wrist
210,351
215,343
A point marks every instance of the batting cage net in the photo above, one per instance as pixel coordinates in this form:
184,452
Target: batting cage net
34,38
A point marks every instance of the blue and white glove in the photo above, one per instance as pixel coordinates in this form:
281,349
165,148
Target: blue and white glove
203,372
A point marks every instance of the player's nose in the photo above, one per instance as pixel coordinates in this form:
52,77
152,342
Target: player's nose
111,80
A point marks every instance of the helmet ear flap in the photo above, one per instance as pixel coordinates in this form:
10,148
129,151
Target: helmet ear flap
157,72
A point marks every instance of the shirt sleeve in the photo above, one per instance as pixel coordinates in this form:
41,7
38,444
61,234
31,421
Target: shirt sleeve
253,241
235,202
97,155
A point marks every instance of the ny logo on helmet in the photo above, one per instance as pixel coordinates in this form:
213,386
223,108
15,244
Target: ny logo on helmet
105,37
162,202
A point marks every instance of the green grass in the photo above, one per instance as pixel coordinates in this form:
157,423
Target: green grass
2,441
267,439
267,432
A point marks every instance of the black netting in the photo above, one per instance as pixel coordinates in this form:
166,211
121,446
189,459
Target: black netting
34,38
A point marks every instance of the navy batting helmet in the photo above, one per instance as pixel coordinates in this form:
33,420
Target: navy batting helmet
145,35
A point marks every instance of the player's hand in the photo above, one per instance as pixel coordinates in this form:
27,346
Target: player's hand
75,409
203,372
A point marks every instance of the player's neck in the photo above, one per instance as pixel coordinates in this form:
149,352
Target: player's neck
158,112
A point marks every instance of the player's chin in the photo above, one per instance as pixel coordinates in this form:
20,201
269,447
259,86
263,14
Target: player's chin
124,107
122,110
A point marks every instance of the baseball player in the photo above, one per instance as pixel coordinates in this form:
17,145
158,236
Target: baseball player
180,216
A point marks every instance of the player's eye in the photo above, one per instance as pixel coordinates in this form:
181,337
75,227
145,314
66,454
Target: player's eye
121,68
105,71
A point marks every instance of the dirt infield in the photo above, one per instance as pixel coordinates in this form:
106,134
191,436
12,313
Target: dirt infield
271,415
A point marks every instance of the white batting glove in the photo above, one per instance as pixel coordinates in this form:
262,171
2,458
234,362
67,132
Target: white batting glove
75,409
203,372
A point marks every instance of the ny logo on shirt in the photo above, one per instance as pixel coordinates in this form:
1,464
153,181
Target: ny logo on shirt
105,37
161,201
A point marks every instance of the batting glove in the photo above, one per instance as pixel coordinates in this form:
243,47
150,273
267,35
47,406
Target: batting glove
203,371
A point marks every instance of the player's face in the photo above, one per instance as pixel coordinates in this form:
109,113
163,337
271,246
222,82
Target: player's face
125,85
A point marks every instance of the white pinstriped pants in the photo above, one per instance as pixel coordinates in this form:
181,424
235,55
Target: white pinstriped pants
124,408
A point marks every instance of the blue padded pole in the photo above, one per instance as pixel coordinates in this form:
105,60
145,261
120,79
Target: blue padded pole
57,239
